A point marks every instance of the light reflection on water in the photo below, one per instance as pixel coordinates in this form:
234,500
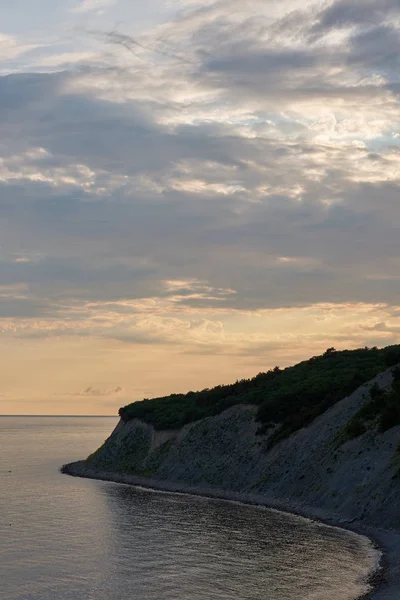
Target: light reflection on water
63,538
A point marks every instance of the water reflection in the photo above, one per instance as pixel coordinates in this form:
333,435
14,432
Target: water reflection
172,546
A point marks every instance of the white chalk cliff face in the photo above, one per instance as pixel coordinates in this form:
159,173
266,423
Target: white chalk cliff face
356,479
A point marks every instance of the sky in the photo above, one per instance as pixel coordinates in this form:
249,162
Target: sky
192,192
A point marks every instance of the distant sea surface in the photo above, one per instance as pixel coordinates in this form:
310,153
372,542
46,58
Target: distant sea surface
63,538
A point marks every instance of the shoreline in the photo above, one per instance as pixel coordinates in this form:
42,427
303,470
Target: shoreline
384,579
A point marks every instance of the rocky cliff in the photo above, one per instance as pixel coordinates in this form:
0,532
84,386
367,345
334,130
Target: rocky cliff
316,466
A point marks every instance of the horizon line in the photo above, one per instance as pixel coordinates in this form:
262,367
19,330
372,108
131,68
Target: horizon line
63,416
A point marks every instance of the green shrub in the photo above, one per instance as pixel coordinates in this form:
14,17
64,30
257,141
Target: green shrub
396,374
390,412
383,410
392,355
354,429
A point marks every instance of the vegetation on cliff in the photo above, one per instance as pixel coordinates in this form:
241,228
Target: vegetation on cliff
288,399
382,409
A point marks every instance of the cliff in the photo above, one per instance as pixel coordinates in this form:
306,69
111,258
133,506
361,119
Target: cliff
326,464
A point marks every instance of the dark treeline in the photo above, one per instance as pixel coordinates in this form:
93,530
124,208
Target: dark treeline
290,398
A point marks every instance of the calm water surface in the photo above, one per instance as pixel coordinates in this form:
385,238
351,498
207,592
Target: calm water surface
63,538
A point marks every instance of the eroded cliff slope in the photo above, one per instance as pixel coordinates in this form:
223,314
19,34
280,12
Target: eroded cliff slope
324,464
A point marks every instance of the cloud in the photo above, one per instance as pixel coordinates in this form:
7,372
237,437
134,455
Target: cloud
11,48
234,202
87,6
69,59
343,13
90,391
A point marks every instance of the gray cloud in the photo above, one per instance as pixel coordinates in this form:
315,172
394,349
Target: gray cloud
91,391
263,168
377,48
343,13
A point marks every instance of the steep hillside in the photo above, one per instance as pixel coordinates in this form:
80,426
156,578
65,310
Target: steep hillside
346,460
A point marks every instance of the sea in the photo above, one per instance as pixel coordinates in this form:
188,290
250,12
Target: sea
64,538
